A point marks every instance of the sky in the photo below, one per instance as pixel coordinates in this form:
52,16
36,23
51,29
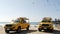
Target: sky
35,10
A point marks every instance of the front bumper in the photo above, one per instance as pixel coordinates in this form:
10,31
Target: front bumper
10,29
46,28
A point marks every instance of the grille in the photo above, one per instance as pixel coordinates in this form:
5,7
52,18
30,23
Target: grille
45,24
8,25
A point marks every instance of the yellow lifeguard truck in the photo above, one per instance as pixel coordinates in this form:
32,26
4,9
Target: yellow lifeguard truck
17,25
46,24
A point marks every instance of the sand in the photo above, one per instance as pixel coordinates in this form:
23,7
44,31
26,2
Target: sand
33,30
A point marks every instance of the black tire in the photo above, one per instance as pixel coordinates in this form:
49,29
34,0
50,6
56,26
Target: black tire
7,31
39,29
27,28
51,30
19,30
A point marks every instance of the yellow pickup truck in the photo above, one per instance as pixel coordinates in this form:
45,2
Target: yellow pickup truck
17,25
46,24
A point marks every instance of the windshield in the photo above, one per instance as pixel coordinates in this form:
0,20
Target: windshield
22,21
46,21
16,21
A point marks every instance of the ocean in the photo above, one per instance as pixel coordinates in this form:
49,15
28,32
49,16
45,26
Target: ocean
32,23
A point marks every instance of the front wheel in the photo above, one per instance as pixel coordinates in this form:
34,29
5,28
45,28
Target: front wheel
19,30
51,30
27,28
7,31
39,29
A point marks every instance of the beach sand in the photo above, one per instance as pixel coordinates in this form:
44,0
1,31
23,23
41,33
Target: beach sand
2,30
33,30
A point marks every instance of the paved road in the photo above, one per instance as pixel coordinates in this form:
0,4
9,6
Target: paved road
33,30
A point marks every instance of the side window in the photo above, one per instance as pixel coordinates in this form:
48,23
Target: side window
17,21
23,21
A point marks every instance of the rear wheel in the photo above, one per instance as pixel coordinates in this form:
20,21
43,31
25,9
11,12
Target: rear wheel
19,30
